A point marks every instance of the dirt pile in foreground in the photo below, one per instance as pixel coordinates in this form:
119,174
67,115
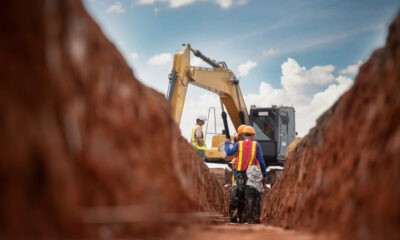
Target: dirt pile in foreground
343,177
86,150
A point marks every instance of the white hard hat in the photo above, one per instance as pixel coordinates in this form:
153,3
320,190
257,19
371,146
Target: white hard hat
202,118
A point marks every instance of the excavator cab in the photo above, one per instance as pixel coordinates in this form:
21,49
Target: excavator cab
264,123
275,130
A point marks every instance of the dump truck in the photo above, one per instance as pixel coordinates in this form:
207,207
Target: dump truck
274,125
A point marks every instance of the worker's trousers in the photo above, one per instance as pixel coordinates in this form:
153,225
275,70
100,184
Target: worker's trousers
252,205
237,199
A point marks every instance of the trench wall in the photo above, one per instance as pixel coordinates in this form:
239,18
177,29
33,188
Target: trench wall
343,176
86,149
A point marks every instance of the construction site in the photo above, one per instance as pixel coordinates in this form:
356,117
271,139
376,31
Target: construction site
81,157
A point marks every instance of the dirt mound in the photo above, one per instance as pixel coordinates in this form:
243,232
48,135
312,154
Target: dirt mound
86,150
343,176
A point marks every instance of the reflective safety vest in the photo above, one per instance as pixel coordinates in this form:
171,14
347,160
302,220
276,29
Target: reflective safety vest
246,154
194,141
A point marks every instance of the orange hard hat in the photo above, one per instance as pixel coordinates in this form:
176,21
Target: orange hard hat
240,129
249,130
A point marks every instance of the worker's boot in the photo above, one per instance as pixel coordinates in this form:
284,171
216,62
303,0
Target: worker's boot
242,209
235,216
233,204
233,213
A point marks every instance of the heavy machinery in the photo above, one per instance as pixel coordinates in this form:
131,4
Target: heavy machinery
275,126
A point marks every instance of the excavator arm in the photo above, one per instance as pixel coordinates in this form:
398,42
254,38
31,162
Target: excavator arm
178,82
218,79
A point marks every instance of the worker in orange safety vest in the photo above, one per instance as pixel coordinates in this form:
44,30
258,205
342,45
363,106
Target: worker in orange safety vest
239,137
248,153
233,205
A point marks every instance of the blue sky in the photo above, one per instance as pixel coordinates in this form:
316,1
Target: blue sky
303,53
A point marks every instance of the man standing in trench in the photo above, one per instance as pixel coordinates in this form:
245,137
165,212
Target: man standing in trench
235,205
198,138
249,156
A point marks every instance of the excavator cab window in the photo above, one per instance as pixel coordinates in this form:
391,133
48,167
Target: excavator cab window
264,123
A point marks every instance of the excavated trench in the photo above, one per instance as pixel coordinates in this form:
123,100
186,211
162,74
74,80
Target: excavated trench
87,151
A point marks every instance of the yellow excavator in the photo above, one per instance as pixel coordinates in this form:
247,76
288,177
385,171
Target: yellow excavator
218,79
274,126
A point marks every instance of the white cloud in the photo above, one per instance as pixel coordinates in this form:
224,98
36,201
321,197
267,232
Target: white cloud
181,3
324,99
299,90
117,7
270,52
224,3
245,68
352,69
299,82
145,1
171,3
268,96
159,60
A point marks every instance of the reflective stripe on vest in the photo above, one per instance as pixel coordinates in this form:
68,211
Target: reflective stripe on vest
253,151
194,141
246,156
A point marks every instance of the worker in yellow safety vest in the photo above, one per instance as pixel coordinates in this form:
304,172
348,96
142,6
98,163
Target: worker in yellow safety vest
244,204
198,137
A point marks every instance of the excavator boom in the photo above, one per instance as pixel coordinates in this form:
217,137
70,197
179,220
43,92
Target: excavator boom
218,79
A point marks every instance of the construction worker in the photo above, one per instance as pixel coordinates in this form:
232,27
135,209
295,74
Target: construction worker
198,137
236,139
233,205
245,203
